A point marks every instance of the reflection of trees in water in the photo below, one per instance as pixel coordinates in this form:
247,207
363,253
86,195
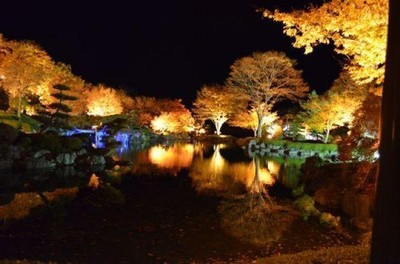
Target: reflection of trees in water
218,175
255,217
23,203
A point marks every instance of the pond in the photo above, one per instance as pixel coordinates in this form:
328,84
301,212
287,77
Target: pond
177,203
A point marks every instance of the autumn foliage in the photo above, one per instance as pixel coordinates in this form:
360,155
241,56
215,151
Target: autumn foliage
357,29
103,101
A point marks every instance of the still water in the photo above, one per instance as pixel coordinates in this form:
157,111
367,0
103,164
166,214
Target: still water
169,205
214,167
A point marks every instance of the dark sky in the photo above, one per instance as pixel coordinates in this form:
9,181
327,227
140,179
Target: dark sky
157,48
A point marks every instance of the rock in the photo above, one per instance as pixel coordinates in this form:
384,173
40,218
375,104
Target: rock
66,158
81,152
329,196
40,163
358,205
6,164
41,153
65,172
14,151
97,160
252,144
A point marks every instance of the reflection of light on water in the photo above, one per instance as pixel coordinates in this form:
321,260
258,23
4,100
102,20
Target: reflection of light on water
266,177
217,162
245,173
216,173
94,182
22,203
273,167
172,157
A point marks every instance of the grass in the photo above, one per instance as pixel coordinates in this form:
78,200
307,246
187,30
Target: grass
319,147
27,123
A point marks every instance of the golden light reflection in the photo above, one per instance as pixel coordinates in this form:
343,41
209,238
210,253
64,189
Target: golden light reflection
218,174
94,182
273,167
23,203
172,157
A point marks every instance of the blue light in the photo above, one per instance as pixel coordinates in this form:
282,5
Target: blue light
98,135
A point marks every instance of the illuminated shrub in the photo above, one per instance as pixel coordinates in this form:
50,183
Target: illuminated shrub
103,101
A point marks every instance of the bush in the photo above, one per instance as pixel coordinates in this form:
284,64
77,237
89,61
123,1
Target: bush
24,141
48,141
71,144
8,134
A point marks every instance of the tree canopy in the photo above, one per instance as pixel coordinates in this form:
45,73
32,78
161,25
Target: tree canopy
263,79
357,29
334,108
216,103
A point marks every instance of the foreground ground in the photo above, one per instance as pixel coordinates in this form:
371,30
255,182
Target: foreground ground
155,219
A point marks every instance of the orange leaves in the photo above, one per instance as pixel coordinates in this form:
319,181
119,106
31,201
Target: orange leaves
103,101
357,28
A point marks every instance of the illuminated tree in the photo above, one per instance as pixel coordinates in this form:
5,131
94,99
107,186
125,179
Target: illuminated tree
249,120
335,108
215,103
26,68
103,101
357,29
147,108
128,104
173,122
62,74
263,79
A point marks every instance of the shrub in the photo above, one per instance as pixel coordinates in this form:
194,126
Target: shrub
8,134
71,144
23,141
48,141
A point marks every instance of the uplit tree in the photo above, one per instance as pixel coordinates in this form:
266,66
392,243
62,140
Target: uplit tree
216,103
357,29
62,74
26,68
249,120
173,122
103,101
335,108
147,108
263,79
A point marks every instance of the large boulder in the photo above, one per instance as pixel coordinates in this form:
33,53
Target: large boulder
96,160
358,205
41,153
15,151
40,163
66,159
329,196
6,164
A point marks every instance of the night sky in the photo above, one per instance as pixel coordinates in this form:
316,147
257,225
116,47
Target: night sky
157,48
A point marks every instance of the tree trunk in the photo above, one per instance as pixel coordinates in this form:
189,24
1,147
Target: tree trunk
255,186
19,107
328,130
218,126
260,123
386,230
